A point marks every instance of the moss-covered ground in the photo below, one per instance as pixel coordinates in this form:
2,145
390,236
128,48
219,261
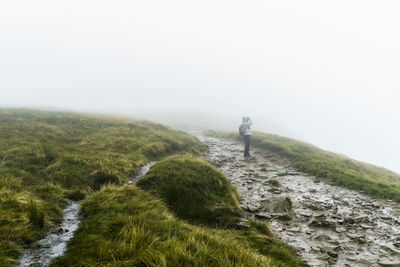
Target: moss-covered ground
337,169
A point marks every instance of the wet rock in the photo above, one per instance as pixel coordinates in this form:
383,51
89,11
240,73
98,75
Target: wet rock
353,236
375,204
316,249
294,229
389,262
365,226
314,206
275,191
365,262
322,237
252,207
330,221
333,254
305,213
391,250
361,218
323,222
263,215
312,190
243,225
340,229
282,216
351,258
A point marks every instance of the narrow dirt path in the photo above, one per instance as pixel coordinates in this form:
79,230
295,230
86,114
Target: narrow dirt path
328,225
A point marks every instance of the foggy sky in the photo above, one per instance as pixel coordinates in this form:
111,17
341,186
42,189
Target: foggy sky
328,71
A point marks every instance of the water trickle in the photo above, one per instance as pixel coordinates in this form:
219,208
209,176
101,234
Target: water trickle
54,244
142,172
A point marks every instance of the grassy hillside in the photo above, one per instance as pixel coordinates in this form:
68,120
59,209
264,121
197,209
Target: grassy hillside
128,227
46,158
125,226
194,190
337,169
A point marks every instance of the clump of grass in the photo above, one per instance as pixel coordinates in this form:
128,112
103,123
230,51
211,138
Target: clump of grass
261,238
35,215
50,152
100,178
287,204
75,194
126,226
274,183
337,169
194,190
360,240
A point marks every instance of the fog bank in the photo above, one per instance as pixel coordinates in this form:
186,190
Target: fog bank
322,71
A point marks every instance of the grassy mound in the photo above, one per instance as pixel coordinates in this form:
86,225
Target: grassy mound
193,190
46,158
125,226
338,169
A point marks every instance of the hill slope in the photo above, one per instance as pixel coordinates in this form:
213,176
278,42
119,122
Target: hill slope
46,158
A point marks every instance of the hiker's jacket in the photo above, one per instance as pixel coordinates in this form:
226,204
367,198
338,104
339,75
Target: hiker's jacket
247,125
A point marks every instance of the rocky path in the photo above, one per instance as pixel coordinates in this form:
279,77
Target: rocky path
328,225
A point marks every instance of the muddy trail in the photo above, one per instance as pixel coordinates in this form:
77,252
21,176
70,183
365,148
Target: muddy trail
328,225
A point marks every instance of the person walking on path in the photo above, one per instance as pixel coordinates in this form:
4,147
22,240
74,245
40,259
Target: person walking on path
245,130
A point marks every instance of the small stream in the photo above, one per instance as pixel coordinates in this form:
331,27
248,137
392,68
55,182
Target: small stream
55,243
142,172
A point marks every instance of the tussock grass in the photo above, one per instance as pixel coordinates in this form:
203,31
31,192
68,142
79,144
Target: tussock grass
194,190
48,157
125,226
35,214
337,169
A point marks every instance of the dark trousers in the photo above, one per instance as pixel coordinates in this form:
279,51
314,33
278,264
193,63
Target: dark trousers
246,145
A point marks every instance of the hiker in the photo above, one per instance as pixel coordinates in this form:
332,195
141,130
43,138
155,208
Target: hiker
245,131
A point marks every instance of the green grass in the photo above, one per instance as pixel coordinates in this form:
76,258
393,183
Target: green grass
47,158
194,190
126,226
337,169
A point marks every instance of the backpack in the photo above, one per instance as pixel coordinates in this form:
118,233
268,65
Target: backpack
242,129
